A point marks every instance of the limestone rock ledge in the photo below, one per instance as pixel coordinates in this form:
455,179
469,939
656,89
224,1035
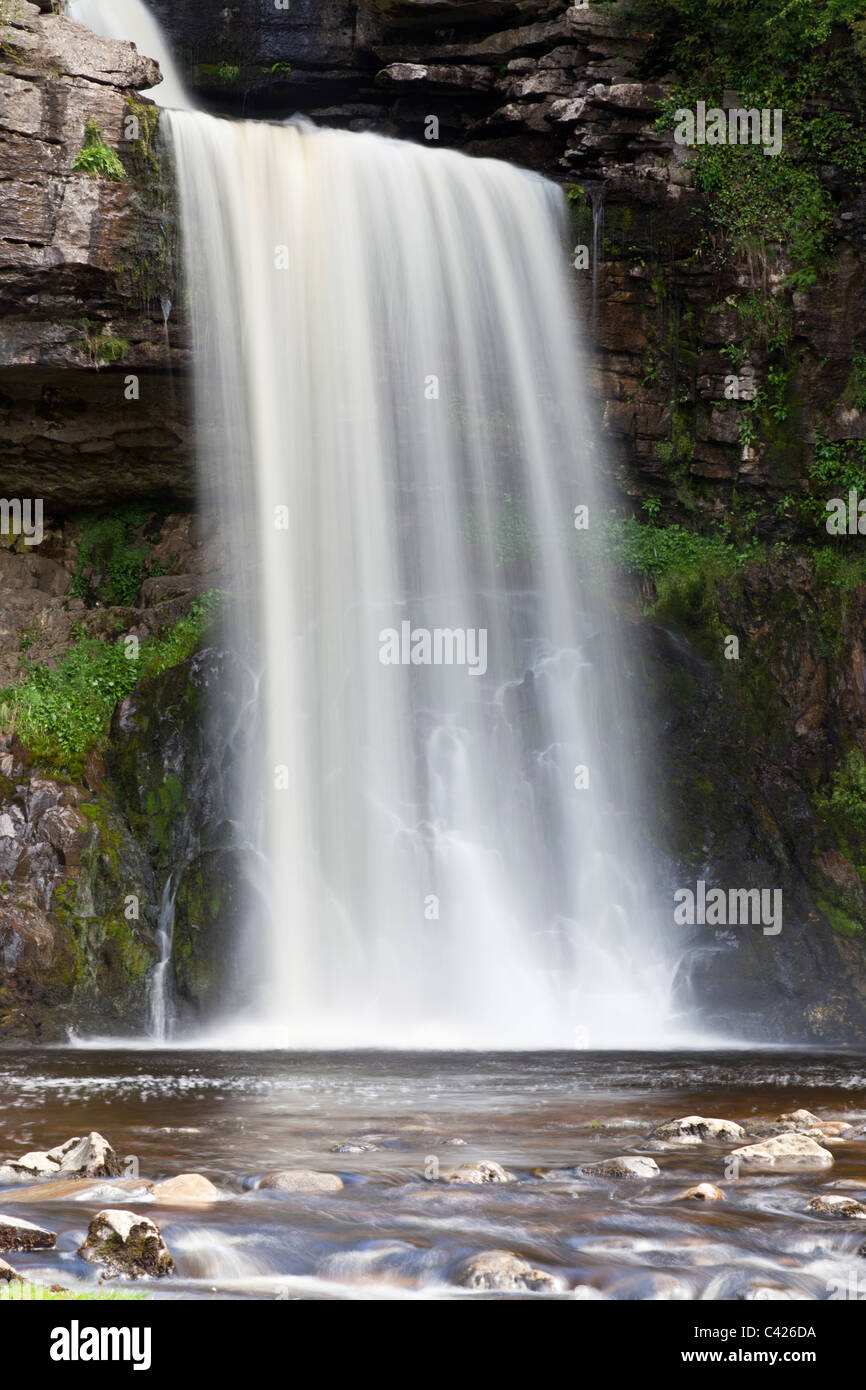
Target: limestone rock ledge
87,266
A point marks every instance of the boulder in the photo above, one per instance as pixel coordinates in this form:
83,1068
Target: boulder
800,1119
696,1129
126,1243
484,1170
7,1273
504,1272
702,1192
187,1189
90,1157
301,1180
639,1166
790,1150
828,1204
16,1234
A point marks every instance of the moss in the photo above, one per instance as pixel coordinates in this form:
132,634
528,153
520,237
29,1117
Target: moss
839,920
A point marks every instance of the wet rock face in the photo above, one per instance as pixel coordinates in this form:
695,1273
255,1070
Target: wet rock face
69,956
175,773
85,262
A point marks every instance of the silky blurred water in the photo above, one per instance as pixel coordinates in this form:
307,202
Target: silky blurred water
396,1229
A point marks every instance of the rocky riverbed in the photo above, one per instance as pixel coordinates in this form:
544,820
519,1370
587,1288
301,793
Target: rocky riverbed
733,1176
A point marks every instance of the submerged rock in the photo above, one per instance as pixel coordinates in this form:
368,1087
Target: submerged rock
62,1189
185,1189
504,1272
484,1170
124,1242
16,1234
301,1180
357,1146
696,1129
790,1150
90,1157
702,1192
639,1166
829,1205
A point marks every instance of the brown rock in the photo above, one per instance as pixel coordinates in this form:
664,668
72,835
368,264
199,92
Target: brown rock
16,1234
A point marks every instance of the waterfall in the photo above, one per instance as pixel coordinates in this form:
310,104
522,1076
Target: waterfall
393,424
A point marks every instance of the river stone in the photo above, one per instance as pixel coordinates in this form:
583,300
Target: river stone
16,1234
790,1150
357,1146
7,1273
696,1127
484,1170
829,1205
855,1131
827,1132
124,1242
301,1180
504,1272
185,1189
90,1157
702,1192
801,1119
639,1166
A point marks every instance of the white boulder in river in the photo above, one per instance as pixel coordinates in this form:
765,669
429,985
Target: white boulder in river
695,1129
90,1157
125,1242
504,1272
638,1166
791,1150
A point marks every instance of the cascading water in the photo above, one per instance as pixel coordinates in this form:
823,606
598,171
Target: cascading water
393,424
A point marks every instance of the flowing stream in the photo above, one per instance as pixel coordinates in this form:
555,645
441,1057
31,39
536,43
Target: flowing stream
393,425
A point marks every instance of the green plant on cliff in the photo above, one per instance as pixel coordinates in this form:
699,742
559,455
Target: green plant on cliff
805,60
847,791
97,158
61,714
111,563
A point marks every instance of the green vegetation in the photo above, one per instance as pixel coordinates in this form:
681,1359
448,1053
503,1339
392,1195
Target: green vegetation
101,347
97,158
807,59
64,713
111,565
847,793
227,73
25,1291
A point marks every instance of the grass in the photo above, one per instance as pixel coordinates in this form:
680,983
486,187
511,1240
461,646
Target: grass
97,158
61,715
23,1291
